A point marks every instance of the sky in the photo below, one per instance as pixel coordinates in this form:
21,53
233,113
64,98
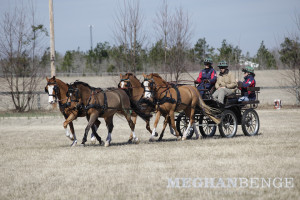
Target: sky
243,23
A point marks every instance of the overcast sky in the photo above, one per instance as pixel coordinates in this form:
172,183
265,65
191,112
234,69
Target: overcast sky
243,23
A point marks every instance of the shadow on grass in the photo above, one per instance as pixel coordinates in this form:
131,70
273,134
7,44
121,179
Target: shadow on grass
126,143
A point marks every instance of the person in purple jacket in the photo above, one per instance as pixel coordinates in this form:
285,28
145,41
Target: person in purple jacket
207,77
249,81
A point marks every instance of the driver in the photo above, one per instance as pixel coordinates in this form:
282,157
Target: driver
207,77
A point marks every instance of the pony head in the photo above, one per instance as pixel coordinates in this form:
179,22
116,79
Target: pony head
52,90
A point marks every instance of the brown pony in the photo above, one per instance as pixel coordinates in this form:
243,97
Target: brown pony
171,99
104,104
135,91
56,90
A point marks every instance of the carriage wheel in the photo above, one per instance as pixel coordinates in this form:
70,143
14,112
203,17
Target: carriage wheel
207,127
250,122
182,123
228,125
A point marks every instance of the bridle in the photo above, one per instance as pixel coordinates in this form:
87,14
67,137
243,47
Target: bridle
55,89
69,94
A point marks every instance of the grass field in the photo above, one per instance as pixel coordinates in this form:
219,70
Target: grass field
37,162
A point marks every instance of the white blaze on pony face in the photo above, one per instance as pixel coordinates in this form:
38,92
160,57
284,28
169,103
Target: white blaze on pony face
50,92
122,84
147,89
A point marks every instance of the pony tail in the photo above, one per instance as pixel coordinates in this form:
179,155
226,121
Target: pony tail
209,111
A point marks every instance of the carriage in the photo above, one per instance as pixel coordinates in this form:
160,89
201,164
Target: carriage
234,113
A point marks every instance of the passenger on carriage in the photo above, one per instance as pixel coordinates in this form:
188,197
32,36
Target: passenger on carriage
226,83
249,81
207,77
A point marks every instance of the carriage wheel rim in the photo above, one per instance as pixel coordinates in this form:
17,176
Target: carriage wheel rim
251,123
229,124
207,129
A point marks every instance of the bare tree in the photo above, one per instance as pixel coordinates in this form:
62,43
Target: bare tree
179,41
128,33
162,26
290,57
20,40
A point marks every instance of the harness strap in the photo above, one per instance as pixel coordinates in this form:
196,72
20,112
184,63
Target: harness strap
96,105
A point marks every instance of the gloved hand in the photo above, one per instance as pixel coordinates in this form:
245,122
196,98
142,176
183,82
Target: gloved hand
195,81
206,81
240,84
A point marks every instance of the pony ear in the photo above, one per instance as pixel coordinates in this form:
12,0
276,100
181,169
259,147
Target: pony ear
144,75
53,77
47,79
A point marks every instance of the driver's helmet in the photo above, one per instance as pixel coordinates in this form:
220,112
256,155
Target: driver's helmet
208,61
223,64
248,69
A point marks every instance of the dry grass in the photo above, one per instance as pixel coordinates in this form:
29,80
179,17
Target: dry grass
37,162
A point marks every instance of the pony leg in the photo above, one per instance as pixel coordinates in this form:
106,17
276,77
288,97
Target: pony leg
94,134
133,118
92,120
110,126
149,129
196,131
166,121
72,136
172,118
157,116
132,127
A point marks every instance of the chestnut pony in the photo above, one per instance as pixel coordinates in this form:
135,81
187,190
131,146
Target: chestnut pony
171,99
104,104
56,90
134,89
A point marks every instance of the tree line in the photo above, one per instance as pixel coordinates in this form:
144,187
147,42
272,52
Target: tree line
22,39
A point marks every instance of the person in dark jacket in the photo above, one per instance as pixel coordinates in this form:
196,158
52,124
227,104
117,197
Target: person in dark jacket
207,77
249,81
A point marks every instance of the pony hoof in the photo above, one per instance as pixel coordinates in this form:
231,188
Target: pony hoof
74,143
107,144
93,140
183,138
70,137
151,139
136,140
130,140
197,137
156,134
159,139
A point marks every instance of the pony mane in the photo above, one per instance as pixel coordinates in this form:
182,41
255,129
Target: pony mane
131,74
158,76
76,83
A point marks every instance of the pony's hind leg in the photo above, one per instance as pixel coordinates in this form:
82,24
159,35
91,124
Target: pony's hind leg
92,119
110,126
133,118
132,127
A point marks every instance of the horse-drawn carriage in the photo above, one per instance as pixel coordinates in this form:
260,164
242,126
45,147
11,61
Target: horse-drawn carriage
133,98
234,113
